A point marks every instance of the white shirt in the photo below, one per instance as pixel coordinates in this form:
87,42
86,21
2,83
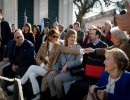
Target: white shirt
43,39
111,85
47,58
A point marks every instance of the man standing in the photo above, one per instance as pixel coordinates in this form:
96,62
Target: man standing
80,34
5,33
62,33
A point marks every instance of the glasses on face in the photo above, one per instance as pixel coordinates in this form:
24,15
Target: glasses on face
18,37
54,36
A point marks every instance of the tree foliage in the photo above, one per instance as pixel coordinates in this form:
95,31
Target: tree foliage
85,6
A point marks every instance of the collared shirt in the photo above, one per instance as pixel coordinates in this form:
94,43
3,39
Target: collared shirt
95,42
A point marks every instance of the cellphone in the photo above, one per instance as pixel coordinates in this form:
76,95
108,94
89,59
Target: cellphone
123,11
98,88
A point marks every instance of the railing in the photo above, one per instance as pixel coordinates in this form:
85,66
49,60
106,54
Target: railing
18,93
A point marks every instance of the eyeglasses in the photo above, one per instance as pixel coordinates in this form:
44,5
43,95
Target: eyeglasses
18,37
54,36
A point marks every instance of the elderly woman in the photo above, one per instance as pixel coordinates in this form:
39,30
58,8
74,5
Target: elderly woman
119,39
60,72
115,78
45,59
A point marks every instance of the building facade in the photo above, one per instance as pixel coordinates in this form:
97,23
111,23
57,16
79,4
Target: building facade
36,10
98,20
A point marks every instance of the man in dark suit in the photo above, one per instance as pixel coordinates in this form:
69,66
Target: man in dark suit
5,33
80,33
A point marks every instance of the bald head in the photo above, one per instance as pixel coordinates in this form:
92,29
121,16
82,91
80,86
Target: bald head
18,37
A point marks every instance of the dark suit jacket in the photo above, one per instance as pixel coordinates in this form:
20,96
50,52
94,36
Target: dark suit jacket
5,32
62,36
38,41
29,36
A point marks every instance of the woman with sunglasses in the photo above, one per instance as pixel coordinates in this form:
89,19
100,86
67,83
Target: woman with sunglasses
60,72
46,59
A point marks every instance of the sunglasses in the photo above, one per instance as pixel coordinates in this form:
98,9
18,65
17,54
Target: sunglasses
54,36
18,37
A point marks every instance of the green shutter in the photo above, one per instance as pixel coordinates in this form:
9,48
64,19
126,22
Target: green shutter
53,11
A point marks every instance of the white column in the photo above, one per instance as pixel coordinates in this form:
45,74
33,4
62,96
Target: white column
10,11
36,12
40,10
70,12
66,12
61,4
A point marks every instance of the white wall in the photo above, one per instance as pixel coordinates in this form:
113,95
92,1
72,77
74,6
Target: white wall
40,10
66,12
1,3
10,10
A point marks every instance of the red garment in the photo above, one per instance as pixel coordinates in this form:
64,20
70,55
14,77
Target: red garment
35,33
85,41
108,36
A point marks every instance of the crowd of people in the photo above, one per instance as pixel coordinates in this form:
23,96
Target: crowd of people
51,54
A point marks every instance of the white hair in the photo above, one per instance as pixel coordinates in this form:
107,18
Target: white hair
118,34
108,23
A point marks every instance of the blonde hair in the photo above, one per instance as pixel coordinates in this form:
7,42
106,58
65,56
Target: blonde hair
68,34
30,27
120,58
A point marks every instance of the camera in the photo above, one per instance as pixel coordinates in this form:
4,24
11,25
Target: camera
123,11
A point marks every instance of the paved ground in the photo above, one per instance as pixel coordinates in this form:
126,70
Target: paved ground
10,98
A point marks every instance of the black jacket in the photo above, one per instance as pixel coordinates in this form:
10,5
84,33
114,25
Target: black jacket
5,33
26,56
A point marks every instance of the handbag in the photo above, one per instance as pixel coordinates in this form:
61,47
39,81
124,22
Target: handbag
77,71
94,67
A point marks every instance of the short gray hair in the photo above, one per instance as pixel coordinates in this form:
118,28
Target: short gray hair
118,34
108,23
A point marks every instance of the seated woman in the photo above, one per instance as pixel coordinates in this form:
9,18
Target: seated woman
115,78
60,72
46,59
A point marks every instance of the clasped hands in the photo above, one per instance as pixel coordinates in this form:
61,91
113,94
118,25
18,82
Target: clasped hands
89,50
